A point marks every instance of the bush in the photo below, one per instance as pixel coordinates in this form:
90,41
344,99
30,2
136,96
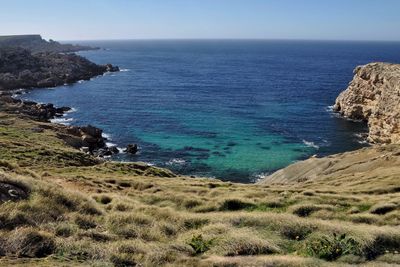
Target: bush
199,244
331,247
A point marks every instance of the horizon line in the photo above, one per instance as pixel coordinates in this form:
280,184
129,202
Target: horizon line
226,39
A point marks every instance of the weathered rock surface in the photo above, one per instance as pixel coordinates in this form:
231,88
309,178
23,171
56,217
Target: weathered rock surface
36,43
12,192
20,68
374,96
356,167
41,112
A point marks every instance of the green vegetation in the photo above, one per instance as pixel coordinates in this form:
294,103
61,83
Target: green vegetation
79,211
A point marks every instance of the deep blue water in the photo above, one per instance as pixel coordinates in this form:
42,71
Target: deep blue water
228,109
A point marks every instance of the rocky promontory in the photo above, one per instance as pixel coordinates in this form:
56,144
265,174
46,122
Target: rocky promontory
36,44
374,96
20,68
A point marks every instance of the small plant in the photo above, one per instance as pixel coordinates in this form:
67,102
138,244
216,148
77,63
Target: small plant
331,247
199,244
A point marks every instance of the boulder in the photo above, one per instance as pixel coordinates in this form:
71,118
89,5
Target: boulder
131,149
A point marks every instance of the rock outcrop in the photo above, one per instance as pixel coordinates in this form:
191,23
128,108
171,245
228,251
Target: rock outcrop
352,168
41,112
374,96
20,68
35,43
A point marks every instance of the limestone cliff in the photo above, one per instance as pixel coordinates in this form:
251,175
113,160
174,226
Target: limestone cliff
374,96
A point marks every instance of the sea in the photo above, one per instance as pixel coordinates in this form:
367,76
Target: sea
235,110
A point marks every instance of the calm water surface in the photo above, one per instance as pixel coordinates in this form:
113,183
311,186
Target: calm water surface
235,110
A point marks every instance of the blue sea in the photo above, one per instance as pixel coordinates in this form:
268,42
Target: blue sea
233,109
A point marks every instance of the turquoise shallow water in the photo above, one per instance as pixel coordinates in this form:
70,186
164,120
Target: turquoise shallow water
235,110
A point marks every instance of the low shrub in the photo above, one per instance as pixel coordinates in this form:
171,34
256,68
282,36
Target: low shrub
199,244
331,247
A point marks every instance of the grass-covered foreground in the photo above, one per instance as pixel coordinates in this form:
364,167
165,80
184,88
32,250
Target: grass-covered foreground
77,211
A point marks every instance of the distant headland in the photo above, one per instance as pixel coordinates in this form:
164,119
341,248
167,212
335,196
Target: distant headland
35,43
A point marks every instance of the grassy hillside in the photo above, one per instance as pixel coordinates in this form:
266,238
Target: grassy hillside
74,210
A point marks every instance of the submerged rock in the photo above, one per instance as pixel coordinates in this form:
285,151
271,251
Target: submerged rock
132,149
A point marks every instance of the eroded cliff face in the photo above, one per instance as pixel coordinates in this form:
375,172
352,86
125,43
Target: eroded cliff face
374,96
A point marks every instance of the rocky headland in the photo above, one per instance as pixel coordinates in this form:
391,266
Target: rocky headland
36,44
374,96
20,68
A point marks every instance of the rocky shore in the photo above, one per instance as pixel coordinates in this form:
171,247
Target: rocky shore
23,69
373,96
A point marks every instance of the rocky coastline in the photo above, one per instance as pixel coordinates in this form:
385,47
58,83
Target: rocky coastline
22,69
373,96
62,207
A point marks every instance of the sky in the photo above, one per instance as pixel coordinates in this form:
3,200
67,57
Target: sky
377,20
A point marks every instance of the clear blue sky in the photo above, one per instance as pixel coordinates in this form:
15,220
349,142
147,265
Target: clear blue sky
148,19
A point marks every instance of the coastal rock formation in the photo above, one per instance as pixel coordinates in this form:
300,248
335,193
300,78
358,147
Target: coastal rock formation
359,167
88,137
19,68
41,112
374,96
132,149
35,43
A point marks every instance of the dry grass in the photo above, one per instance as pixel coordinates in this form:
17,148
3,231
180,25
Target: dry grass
115,214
